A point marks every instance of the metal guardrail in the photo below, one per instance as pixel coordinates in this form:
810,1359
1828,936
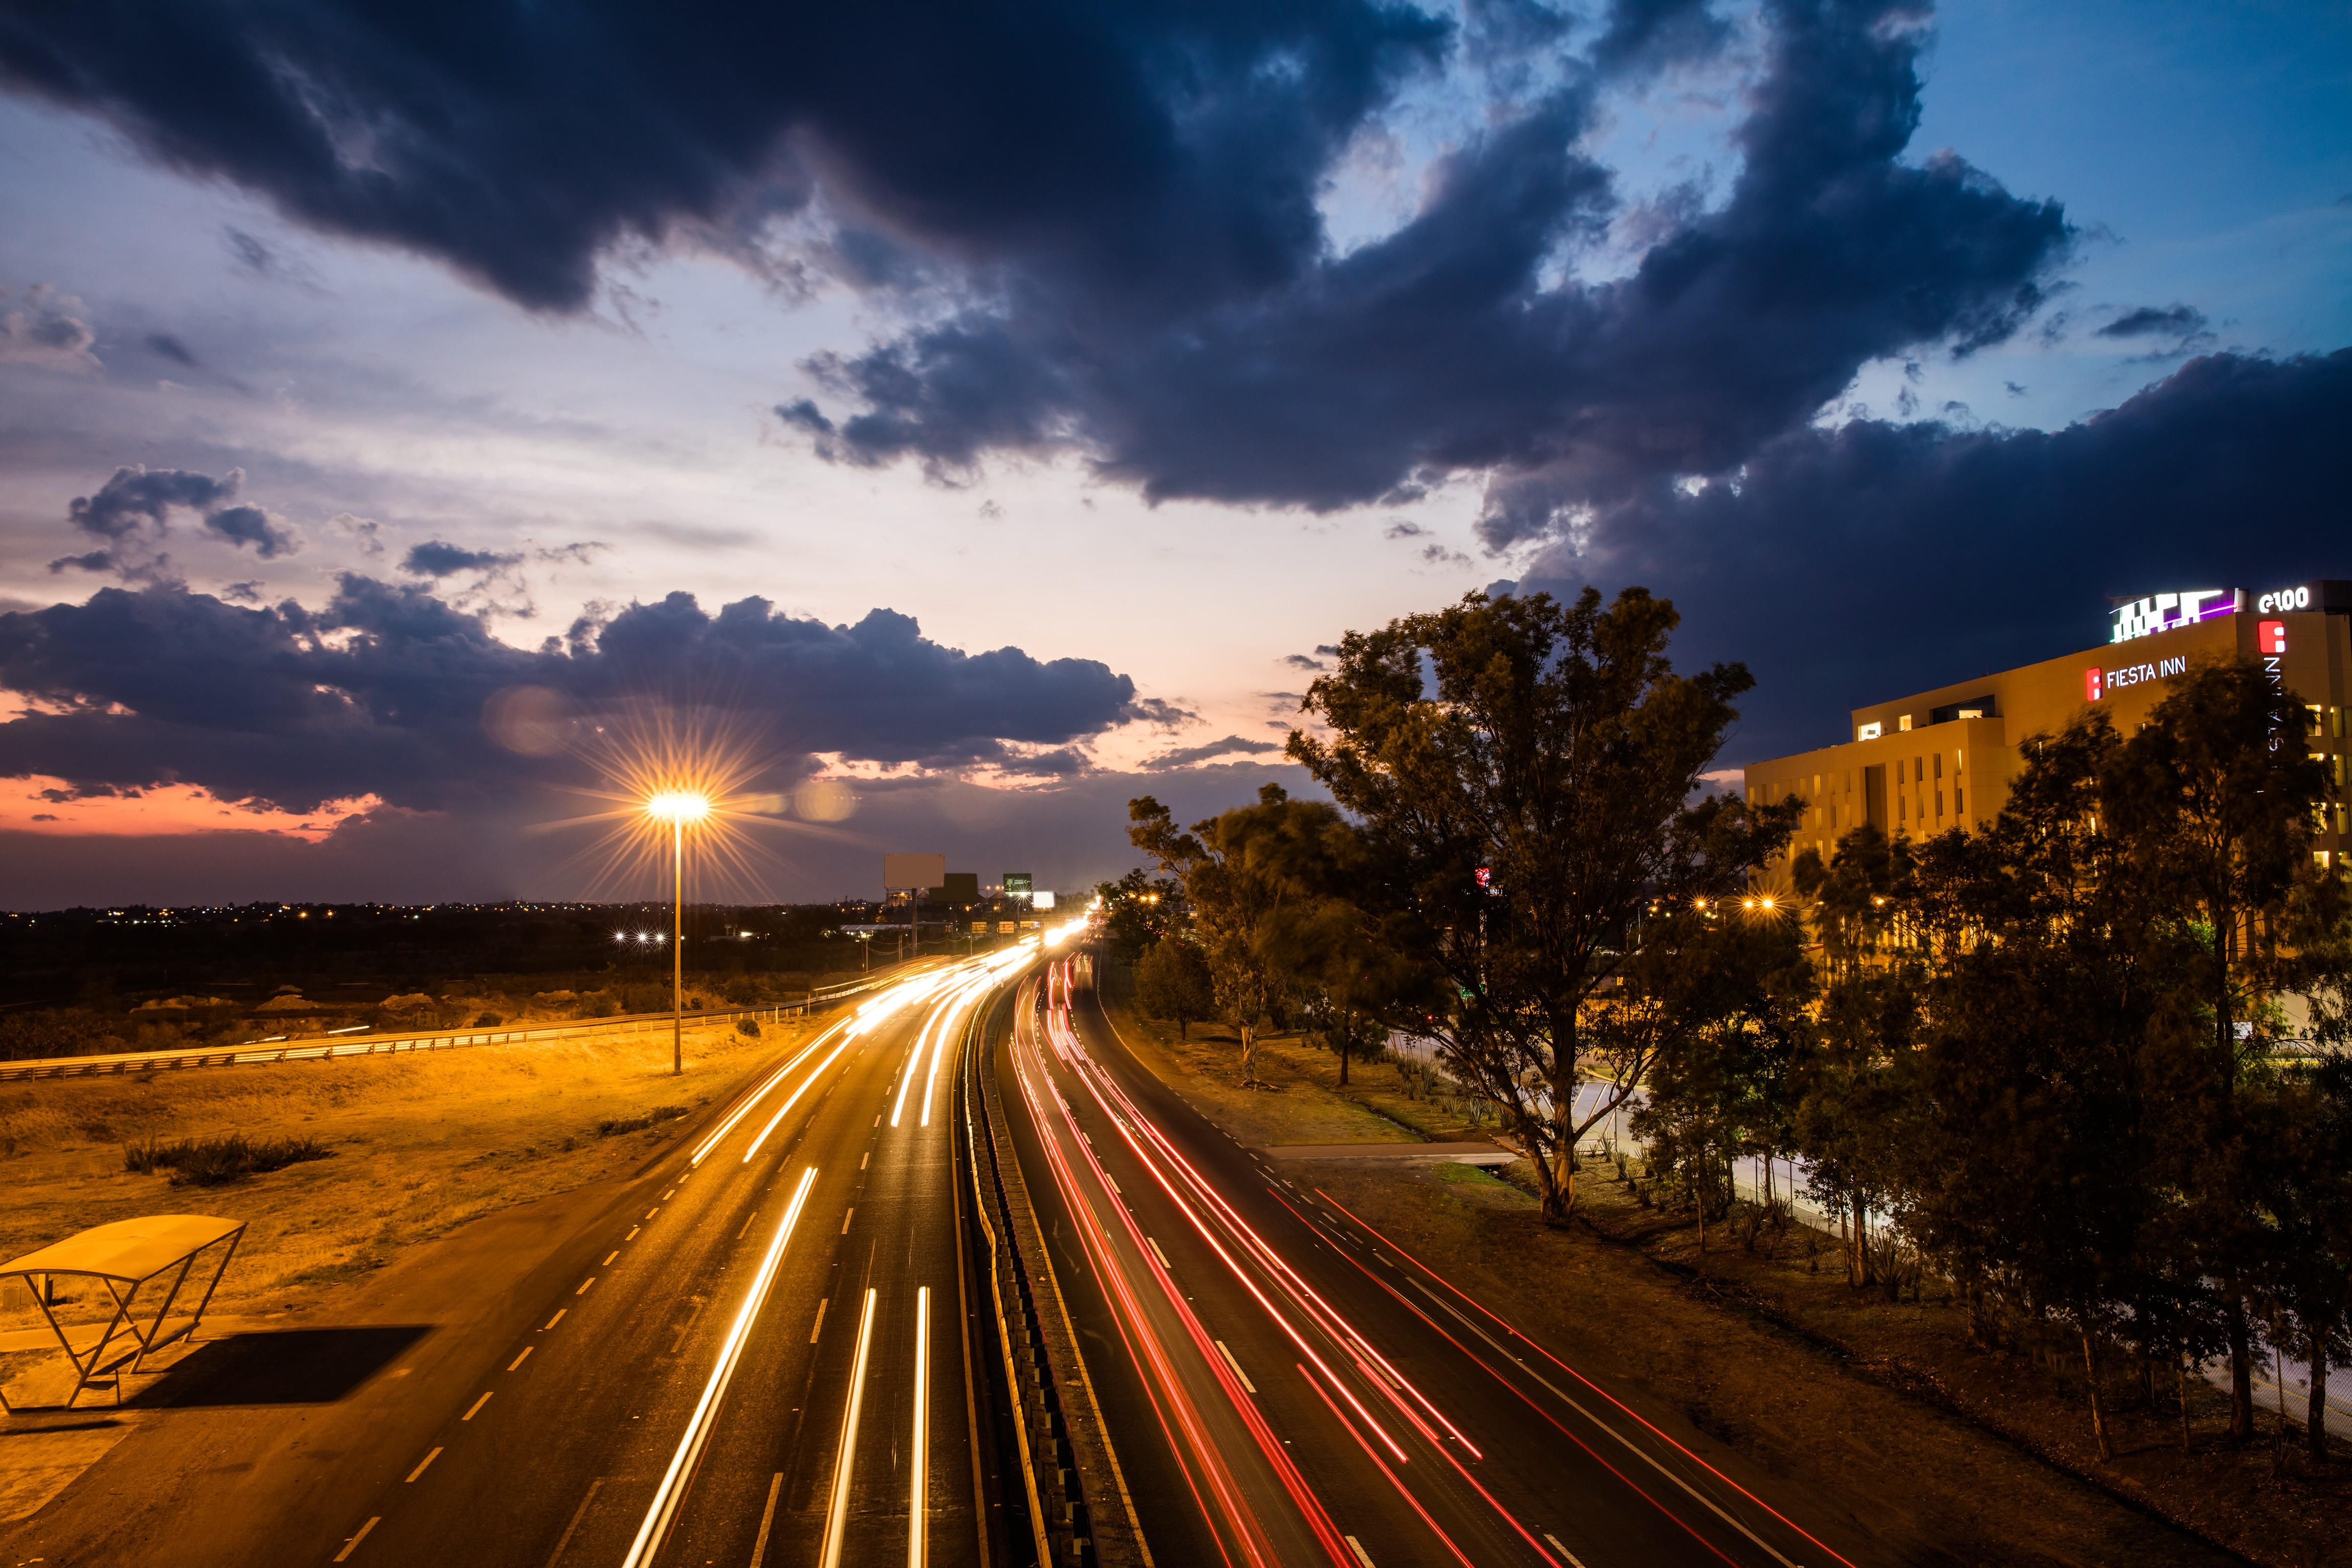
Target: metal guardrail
325,1047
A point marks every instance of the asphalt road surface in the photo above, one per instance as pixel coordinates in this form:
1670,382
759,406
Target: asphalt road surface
1283,1385
762,1364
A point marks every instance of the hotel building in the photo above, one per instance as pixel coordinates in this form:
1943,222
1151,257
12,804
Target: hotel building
1944,758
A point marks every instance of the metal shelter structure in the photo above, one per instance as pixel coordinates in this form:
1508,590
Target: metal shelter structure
126,1257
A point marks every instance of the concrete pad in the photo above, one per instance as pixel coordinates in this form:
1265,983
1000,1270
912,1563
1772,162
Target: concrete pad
1476,1154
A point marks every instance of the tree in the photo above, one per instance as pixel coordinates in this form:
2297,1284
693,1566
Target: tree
1717,1000
1529,768
1172,981
2212,802
2299,1123
1353,971
1239,872
1856,895
1137,911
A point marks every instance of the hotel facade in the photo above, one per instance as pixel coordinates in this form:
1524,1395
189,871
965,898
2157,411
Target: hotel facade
1944,758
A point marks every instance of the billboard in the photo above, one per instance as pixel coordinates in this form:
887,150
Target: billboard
1042,899
923,872
960,887
1018,884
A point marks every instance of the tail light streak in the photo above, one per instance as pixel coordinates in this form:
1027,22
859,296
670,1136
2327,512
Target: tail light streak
1196,1453
1387,1380
1509,1329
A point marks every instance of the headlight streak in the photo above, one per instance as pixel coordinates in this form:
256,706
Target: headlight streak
1245,1528
1651,1459
730,1351
918,1530
743,1108
1105,1090
837,1515
793,1099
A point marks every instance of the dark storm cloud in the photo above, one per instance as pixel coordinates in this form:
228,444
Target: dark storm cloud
1106,217
1444,347
1856,564
1648,35
252,526
132,514
138,499
172,349
383,691
1185,757
436,558
2150,321
1182,143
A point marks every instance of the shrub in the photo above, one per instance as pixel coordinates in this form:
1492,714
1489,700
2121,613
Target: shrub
748,1027
612,1126
488,1021
215,1162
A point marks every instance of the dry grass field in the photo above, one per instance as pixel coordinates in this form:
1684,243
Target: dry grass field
420,1144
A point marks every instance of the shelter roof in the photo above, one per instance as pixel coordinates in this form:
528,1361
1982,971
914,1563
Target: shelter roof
127,1250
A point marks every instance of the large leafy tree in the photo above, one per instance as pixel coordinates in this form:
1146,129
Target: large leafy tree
1243,872
1172,982
1531,771
2211,803
1717,997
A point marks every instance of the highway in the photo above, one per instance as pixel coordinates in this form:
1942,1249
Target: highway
762,1363
1285,1387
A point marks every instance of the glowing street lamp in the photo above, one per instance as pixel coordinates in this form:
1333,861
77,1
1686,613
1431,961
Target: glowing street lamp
677,808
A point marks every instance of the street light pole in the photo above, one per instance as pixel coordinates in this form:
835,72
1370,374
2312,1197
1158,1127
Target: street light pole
678,946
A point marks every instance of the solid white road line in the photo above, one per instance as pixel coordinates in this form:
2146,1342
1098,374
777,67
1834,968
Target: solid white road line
421,1464
837,1516
355,1540
767,1517
697,1426
917,1536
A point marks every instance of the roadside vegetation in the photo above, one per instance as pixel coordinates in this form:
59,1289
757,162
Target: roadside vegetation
2078,1075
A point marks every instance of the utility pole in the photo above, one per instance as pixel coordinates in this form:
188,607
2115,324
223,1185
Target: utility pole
677,947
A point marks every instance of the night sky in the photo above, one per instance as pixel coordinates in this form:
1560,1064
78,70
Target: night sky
974,415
